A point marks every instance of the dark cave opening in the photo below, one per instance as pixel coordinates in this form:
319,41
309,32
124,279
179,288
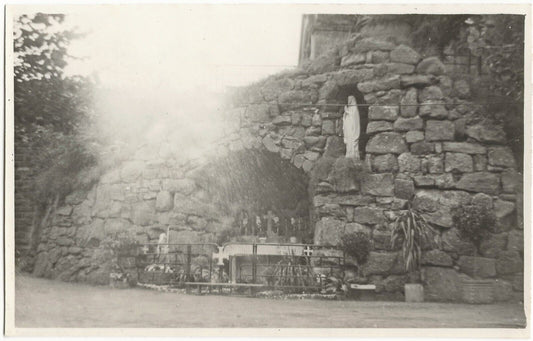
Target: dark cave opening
265,194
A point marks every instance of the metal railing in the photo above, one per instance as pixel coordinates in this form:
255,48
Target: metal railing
283,266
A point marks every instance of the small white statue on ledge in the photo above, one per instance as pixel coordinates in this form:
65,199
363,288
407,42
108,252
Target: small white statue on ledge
351,125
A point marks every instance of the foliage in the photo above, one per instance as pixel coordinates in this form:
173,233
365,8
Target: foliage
357,245
473,222
426,30
413,232
53,111
121,245
499,40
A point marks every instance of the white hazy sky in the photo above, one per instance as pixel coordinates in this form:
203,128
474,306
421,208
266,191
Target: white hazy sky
178,47
159,66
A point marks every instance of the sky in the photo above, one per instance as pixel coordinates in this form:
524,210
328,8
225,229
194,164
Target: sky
179,47
163,69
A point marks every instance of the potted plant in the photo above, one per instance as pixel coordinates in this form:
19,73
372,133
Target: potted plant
473,223
356,245
412,231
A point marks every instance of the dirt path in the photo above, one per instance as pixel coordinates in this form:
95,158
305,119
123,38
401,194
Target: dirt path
44,303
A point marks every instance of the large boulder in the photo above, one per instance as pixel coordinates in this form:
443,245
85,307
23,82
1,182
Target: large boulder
414,136
410,123
409,103
493,244
404,54
463,147
92,234
442,284
477,266
509,262
368,215
417,80
392,82
164,201
404,188
394,283
436,257
328,231
386,143
355,227
347,77
503,210
408,163
371,44
458,162
344,175
379,263
131,170
484,182
486,132
515,241
293,99
440,130
511,181
378,127
431,65
433,109
384,163
430,93
437,206
378,184
183,186
503,290
383,113
501,157
452,241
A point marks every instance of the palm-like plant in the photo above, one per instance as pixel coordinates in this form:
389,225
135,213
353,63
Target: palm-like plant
413,231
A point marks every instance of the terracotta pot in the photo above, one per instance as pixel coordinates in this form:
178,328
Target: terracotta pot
414,292
478,291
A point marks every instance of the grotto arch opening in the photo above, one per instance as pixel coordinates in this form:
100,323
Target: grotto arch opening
263,194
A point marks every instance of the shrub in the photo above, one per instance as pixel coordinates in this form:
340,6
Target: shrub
413,232
473,222
357,245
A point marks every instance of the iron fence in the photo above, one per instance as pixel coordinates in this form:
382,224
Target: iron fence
276,266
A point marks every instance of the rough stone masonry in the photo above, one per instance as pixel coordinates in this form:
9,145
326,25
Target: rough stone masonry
428,144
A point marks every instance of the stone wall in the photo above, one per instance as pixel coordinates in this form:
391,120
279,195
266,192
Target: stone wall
24,204
427,144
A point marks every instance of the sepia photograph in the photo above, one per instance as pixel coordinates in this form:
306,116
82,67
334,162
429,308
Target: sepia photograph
229,168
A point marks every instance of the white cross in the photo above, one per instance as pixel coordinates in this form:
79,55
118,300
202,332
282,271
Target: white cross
145,249
308,251
220,255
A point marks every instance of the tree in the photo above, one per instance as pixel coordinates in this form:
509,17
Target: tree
426,30
52,110
499,39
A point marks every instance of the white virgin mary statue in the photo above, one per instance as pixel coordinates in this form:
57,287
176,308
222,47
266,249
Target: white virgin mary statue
351,128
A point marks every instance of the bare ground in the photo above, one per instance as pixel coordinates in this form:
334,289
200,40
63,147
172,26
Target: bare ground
46,303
